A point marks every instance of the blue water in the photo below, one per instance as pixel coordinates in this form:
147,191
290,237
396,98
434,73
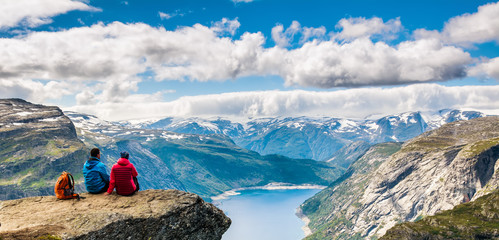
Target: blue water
265,214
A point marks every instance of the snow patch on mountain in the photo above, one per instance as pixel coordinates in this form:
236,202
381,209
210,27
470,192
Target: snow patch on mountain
296,137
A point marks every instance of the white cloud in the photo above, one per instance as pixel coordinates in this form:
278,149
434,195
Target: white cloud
283,38
362,62
487,68
479,27
353,103
86,97
468,29
242,1
310,32
35,90
165,16
278,36
353,28
34,13
99,64
226,26
112,55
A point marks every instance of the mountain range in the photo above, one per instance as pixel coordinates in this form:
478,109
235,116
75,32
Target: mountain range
204,164
308,137
39,142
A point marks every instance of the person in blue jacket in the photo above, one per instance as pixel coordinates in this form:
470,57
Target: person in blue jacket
95,173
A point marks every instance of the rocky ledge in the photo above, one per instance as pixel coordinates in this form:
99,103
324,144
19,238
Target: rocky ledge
149,214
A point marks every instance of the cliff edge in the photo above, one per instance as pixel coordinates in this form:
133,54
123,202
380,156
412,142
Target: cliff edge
149,214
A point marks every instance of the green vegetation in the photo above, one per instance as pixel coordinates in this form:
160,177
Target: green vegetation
49,237
473,220
428,144
480,146
419,218
215,165
32,161
56,148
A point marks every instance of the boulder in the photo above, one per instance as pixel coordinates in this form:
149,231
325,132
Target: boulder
149,214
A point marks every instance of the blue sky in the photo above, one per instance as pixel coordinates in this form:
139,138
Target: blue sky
139,59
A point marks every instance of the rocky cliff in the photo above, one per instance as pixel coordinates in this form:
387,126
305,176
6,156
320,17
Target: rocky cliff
149,214
473,220
332,210
37,143
430,173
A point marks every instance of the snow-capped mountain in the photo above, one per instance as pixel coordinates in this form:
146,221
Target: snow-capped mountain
204,164
309,137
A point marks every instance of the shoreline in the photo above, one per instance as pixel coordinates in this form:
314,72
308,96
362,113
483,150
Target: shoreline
304,219
270,186
275,186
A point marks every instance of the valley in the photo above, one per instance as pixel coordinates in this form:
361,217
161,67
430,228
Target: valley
374,180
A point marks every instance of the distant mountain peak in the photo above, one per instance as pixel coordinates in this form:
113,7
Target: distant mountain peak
311,137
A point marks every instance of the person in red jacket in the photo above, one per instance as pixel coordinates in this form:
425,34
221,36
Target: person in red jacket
123,177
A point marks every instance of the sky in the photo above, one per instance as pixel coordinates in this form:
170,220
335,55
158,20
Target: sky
130,59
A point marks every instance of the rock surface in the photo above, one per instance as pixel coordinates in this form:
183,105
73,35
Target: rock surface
149,214
474,220
433,172
332,210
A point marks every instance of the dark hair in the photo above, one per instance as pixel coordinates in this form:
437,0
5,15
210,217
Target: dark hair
94,152
124,154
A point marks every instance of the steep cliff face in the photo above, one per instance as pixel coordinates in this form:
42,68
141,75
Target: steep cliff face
473,220
150,214
433,172
37,143
335,208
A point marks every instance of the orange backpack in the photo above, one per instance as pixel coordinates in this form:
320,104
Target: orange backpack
65,187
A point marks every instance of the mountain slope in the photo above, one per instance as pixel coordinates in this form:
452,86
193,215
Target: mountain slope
349,154
37,143
473,220
435,171
332,209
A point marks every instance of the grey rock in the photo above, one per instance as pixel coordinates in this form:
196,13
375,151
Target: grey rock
431,173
